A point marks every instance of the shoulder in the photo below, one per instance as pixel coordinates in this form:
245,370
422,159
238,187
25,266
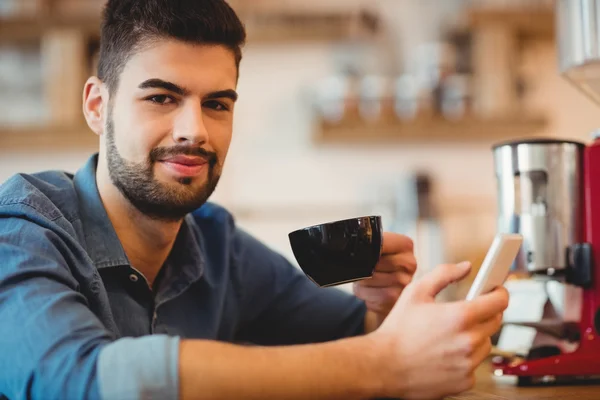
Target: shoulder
218,224
214,215
48,194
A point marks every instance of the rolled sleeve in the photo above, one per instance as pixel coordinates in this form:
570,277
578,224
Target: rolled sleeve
52,345
140,368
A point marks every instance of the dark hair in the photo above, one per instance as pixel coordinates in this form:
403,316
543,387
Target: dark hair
127,25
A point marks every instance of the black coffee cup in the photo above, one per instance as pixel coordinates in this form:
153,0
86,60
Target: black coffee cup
339,252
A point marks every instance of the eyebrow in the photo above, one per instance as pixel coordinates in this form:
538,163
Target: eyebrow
160,84
220,94
181,91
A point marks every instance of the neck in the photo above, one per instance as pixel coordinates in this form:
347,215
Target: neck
147,242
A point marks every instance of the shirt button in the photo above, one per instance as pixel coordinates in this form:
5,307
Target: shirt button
133,278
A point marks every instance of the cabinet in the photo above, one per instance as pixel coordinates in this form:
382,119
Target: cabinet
61,36
494,40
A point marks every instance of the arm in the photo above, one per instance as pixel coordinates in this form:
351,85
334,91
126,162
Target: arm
393,273
371,366
372,321
52,345
343,369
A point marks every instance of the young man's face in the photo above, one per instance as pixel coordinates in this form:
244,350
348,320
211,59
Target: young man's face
169,126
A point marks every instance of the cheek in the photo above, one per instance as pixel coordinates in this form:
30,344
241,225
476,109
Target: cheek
220,132
145,131
137,129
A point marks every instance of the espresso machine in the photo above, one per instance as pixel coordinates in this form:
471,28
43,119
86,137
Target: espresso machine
549,191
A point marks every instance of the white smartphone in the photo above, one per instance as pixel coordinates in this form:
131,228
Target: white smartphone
496,265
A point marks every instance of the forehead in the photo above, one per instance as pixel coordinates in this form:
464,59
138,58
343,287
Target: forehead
200,68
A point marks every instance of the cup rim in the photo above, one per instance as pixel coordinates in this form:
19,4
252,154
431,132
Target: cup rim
333,222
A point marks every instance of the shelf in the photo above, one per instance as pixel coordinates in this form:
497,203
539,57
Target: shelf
44,138
431,129
32,28
262,27
527,23
294,26
498,37
455,206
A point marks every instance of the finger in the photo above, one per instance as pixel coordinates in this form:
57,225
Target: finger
382,309
394,262
481,353
471,340
488,306
489,327
396,243
384,296
387,279
431,284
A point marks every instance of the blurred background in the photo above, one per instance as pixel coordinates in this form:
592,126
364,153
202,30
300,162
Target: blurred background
347,108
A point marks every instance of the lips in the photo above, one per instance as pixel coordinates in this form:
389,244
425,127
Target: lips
185,166
186,160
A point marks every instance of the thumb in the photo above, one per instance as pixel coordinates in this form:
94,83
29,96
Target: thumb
443,275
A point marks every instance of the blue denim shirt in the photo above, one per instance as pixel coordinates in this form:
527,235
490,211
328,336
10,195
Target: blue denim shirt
78,321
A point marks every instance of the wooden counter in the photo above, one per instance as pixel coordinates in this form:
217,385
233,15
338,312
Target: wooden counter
489,388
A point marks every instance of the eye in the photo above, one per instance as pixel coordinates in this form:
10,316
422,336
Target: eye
161,99
215,105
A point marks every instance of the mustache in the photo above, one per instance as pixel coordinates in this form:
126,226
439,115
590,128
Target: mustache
161,153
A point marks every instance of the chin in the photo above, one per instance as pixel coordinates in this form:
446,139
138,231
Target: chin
188,187
186,181
179,181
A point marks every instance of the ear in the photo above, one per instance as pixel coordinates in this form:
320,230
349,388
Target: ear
95,101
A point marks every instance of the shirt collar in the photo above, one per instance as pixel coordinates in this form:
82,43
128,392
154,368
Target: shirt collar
103,244
105,248
185,264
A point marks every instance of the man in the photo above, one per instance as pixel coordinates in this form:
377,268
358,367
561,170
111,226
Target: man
123,282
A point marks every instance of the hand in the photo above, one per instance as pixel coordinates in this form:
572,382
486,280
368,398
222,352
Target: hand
393,273
431,350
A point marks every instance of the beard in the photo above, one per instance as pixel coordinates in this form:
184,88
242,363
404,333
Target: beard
157,200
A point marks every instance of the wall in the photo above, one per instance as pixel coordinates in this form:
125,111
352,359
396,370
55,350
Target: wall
273,166
274,163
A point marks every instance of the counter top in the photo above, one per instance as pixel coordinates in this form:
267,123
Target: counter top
490,388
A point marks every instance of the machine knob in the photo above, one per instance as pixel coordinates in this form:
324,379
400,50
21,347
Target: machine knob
529,257
580,262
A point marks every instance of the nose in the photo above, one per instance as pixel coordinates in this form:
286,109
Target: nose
189,126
